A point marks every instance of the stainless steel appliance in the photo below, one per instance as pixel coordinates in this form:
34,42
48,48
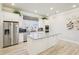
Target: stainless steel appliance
10,35
25,37
46,28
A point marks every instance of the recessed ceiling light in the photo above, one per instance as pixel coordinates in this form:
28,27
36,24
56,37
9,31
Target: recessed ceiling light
51,8
12,4
35,11
57,11
74,6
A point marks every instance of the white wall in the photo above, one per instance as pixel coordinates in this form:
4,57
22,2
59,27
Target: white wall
0,7
58,24
1,31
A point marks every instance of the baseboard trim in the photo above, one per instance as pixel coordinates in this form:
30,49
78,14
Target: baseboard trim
72,41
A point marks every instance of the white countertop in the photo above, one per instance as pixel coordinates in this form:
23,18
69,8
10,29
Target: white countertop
40,35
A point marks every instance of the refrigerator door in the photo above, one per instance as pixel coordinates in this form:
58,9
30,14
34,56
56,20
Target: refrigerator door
6,34
15,33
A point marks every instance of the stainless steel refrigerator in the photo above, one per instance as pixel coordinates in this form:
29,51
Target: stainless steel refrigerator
10,33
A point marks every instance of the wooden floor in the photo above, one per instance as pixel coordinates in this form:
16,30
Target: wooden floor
20,49
62,48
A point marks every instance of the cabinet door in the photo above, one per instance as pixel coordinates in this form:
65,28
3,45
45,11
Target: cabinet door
6,34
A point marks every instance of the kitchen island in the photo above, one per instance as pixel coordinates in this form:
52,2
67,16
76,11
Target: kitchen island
39,41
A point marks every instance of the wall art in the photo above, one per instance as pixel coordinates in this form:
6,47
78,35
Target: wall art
70,25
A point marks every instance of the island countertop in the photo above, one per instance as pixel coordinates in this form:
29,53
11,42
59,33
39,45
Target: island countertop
41,35
38,42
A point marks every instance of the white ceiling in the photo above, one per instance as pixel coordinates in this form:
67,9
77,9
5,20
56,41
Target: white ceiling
44,8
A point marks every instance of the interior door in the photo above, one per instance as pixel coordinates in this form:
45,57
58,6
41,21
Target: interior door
6,34
15,33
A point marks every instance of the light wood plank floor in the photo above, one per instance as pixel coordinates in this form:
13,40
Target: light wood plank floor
62,48
20,49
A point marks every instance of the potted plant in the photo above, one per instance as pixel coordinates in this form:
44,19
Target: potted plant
44,18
